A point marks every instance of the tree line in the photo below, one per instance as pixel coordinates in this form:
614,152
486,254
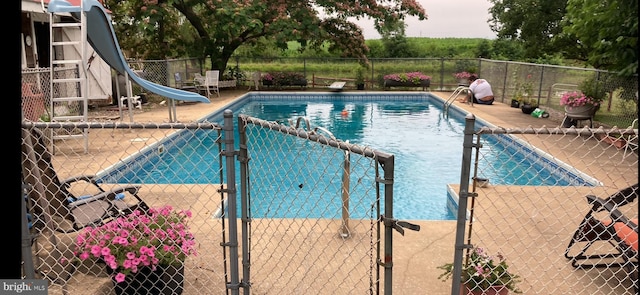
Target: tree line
585,32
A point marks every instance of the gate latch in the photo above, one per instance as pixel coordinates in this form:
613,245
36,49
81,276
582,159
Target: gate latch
399,225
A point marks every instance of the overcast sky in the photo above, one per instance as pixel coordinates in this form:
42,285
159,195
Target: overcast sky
446,18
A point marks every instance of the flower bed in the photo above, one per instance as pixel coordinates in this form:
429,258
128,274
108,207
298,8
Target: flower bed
280,79
413,79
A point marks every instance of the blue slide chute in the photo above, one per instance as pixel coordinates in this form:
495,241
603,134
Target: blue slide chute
102,38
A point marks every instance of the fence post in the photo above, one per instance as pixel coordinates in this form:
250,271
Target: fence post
441,73
243,158
463,194
232,209
505,95
540,85
388,167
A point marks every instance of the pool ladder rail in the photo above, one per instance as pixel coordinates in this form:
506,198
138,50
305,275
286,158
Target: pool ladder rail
309,129
454,95
344,231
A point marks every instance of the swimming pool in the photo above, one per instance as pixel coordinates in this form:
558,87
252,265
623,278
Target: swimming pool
427,145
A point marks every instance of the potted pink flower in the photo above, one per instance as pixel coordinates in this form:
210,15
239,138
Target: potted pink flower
578,104
484,274
150,244
577,99
463,78
462,75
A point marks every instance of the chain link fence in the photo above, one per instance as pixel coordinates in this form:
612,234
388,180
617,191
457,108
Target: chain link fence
538,222
314,205
544,84
36,94
290,242
541,83
54,218
531,223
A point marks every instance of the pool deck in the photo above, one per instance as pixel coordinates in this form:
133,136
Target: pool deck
415,268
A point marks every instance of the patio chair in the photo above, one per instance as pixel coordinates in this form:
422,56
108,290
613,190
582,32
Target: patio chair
52,199
605,224
255,78
211,82
182,84
631,141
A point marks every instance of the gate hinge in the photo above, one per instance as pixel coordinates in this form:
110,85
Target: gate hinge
471,195
230,153
399,225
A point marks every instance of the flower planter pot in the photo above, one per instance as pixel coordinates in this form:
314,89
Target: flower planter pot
493,290
302,82
585,111
393,83
165,280
463,82
527,108
515,103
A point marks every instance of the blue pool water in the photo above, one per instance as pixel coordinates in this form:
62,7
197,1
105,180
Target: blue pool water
427,147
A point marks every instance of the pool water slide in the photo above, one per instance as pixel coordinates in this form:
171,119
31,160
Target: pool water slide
102,38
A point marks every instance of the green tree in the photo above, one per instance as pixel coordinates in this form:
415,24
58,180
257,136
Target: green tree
607,31
531,22
394,39
215,29
484,49
508,50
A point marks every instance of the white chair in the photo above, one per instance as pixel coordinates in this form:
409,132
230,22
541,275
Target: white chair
631,141
198,81
184,85
255,78
211,82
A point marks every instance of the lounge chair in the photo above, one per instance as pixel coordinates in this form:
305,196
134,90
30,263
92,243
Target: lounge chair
51,199
605,224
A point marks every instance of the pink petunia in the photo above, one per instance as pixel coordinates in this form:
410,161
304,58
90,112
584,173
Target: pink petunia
95,250
120,277
105,251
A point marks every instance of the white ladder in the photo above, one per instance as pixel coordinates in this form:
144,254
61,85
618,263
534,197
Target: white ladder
69,87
